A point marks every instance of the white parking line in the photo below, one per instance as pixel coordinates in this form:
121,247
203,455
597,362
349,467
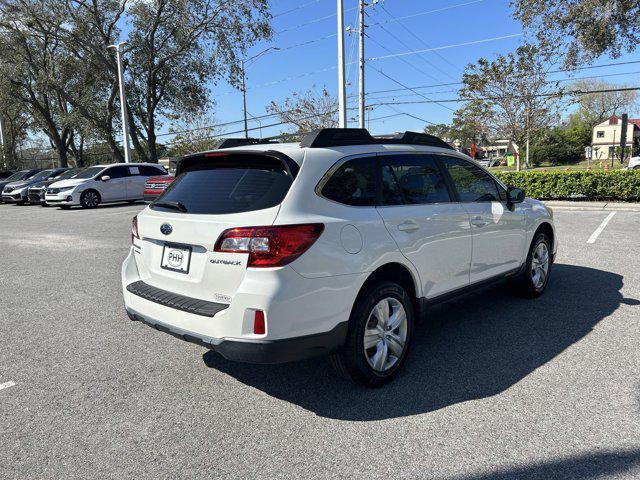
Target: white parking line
6,385
594,236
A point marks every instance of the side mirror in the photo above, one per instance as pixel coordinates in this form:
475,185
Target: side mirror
105,178
514,195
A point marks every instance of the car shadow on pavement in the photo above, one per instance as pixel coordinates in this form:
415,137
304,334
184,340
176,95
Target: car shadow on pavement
470,348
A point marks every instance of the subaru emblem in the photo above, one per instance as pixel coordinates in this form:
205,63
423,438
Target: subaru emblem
166,229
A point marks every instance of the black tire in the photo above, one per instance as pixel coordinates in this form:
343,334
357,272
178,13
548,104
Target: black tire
351,361
637,167
526,283
90,199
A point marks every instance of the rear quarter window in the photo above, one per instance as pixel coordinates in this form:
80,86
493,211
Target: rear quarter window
353,183
235,185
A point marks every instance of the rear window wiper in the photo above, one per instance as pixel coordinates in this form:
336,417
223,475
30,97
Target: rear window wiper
171,204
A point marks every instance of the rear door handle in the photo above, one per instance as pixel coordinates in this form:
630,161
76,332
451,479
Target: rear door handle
478,221
408,226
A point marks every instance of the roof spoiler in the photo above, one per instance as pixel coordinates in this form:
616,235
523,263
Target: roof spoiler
339,137
241,142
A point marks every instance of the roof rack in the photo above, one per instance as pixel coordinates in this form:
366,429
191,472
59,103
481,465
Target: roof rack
339,137
241,142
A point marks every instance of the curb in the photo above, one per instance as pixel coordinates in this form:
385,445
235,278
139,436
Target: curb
594,206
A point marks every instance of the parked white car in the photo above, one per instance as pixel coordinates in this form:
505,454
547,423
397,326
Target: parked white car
334,246
119,182
634,163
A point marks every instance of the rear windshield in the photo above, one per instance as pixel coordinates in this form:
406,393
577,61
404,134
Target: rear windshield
240,184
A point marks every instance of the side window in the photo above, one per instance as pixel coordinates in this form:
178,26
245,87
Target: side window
149,171
412,179
116,172
472,183
353,183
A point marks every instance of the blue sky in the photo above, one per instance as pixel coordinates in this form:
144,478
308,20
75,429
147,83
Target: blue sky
429,24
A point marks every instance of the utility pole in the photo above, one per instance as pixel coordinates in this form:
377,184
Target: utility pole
342,88
361,102
243,64
123,104
244,101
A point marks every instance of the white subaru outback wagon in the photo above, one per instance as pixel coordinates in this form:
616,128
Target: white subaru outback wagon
270,253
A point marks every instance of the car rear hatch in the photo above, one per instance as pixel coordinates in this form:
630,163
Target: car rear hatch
211,193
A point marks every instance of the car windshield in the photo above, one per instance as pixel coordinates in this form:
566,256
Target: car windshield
89,172
42,175
69,174
16,176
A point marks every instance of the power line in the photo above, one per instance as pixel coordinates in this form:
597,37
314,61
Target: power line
588,67
464,44
437,10
311,22
409,88
554,94
403,60
570,79
404,27
299,7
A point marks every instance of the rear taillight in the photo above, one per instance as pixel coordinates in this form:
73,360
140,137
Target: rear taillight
270,246
134,229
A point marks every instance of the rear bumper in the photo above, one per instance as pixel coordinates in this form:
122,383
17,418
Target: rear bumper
304,317
257,351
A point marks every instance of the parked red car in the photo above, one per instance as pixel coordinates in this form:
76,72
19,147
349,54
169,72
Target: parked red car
154,186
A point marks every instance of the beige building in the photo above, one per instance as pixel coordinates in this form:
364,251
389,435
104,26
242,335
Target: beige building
606,137
499,149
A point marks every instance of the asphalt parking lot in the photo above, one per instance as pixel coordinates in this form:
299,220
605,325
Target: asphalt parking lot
496,387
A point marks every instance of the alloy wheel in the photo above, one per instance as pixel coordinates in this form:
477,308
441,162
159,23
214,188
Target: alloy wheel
91,199
385,335
540,265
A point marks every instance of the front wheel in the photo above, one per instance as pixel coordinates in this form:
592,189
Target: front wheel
90,199
380,331
533,280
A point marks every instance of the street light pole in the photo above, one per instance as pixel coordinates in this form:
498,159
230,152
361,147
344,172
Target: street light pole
123,104
342,88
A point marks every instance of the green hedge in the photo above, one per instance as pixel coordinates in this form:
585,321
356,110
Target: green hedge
623,185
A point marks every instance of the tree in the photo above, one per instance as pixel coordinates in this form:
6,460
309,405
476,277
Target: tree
194,136
307,111
50,49
15,123
582,30
511,95
596,107
175,49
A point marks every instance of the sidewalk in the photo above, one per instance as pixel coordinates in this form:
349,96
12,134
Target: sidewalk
593,206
